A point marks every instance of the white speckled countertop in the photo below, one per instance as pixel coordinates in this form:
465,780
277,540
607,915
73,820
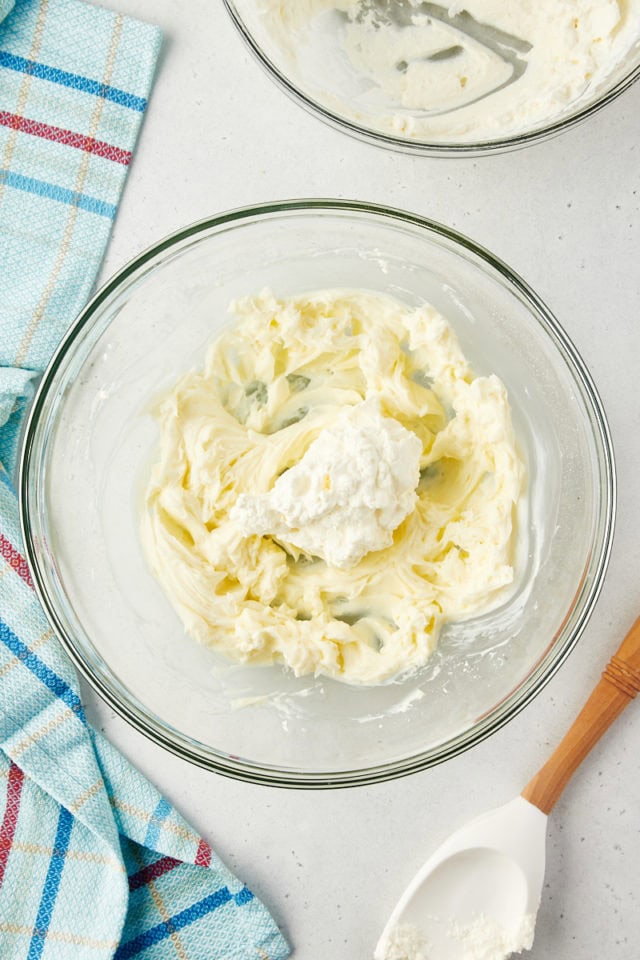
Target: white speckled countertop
566,215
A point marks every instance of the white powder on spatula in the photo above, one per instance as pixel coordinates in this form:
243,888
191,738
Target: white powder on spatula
483,938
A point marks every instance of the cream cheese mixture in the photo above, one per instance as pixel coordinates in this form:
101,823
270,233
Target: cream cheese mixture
333,487
471,70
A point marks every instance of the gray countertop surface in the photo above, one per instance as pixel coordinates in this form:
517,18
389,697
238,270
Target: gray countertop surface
566,216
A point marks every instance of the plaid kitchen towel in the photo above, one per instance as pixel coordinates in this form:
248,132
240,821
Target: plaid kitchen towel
94,862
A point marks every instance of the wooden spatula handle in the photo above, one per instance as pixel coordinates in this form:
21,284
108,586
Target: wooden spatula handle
618,686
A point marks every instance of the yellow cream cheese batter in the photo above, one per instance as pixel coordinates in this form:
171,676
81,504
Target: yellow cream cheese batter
279,389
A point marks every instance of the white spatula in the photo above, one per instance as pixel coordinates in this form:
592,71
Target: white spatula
486,879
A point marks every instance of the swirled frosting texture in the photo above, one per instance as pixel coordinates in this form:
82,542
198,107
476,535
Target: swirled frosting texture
285,375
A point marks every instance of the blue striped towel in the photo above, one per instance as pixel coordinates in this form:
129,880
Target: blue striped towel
94,863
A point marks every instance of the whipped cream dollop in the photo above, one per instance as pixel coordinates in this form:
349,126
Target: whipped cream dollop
473,70
355,484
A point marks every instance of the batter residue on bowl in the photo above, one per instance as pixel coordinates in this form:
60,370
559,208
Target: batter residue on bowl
332,487
467,71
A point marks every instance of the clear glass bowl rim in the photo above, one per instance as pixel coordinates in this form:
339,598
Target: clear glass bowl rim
181,745
425,147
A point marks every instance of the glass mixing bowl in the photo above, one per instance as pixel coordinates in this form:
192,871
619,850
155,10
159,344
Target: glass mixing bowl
91,440
327,85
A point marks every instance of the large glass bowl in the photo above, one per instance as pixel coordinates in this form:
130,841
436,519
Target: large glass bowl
91,439
328,91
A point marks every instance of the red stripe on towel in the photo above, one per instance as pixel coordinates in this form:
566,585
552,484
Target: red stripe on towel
66,137
152,872
15,560
203,856
10,819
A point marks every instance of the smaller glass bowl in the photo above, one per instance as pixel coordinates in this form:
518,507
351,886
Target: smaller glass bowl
327,75
91,440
